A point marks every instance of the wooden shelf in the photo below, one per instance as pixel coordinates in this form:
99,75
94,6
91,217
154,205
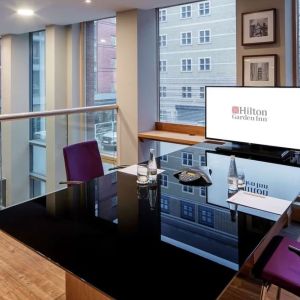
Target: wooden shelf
171,137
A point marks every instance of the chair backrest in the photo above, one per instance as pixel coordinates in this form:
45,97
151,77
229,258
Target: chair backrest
83,161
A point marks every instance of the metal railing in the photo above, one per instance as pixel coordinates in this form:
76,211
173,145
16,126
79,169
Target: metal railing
57,112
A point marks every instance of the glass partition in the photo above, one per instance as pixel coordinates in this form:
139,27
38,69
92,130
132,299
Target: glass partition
32,151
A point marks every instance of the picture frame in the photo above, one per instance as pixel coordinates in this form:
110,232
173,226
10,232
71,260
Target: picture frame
259,27
259,70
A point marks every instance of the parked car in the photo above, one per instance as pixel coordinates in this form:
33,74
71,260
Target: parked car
109,141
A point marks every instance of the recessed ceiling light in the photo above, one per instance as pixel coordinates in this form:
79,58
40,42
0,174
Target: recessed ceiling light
25,12
88,1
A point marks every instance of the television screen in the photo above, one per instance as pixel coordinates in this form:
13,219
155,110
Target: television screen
257,115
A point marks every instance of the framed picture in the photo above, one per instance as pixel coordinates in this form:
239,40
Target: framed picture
259,27
259,70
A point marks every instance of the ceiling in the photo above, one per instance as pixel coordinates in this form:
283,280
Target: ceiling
63,12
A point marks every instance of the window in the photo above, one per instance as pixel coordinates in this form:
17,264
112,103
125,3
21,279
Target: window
187,189
163,66
186,92
204,64
204,36
202,92
186,65
164,204
164,158
186,11
163,91
101,63
37,143
187,159
163,40
162,15
164,180
204,8
186,38
206,216
187,211
217,43
203,191
202,160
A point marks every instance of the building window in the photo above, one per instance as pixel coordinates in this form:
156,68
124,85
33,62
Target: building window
204,8
202,92
218,37
164,204
203,191
186,65
100,70
163,40
37,143
187,159
162,15
163,91
186,38
206,216
204,64
187,189
187,211
163,66
204,36
185,11
202,160
186,92
164,158
164,180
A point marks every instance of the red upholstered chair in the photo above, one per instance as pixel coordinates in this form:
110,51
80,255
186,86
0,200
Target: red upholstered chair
283,267
83,162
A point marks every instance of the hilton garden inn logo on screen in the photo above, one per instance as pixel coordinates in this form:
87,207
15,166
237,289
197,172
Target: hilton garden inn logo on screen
249,114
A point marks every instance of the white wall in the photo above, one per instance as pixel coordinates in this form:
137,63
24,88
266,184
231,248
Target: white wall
15,99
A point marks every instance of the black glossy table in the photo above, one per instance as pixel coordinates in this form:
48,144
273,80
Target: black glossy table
168,241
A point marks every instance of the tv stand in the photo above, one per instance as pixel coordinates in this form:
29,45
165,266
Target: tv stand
273,153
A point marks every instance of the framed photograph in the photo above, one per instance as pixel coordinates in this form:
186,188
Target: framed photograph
259,70
259,27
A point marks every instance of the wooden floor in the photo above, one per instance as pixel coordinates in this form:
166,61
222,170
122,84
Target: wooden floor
25,275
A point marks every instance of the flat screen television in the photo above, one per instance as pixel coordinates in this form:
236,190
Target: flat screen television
267,116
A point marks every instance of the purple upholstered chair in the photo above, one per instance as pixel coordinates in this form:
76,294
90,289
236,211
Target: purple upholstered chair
283,268
83,162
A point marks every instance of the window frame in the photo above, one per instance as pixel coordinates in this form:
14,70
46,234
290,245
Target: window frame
193,211
165,180
203,3
205,70
163,91
186,65
199,36
166,66
165,16
166,41
187,158
186,38
191,11
202,92
187,94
